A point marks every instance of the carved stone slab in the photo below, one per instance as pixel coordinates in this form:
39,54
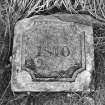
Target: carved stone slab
52,54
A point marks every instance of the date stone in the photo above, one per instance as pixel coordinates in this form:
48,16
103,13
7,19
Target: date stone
52,54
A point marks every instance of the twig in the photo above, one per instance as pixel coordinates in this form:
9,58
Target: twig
2,97
18,97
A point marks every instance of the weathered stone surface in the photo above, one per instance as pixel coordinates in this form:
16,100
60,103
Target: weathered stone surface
52,54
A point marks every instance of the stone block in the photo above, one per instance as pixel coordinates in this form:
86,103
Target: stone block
52,53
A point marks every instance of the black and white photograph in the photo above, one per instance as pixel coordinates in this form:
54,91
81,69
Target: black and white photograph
52,52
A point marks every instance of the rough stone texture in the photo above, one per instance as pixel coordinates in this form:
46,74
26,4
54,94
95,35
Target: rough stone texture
52,54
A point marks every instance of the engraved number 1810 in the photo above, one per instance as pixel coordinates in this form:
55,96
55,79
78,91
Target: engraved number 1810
56,51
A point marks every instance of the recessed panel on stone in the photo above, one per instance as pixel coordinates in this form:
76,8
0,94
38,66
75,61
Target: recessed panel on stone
52,54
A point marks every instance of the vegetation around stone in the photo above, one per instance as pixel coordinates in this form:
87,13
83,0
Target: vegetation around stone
13,10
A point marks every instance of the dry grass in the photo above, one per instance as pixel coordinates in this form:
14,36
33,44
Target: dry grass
95,7
23,8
